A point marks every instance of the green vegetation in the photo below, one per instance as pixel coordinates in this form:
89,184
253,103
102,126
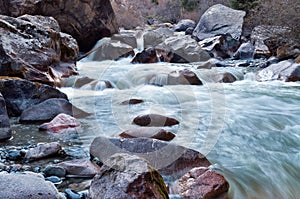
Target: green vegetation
189,5
245,5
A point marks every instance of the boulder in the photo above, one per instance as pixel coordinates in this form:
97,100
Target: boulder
52,170
80,168
21,94
107,49
245,51
221,46
288,52
170,159
5,131
43,151
184,76
148,132
146,56
86,20
128,176
152,38
126,37
27,185
33,48
154,120
184,47
224,77
60,124
218,20
201,183
48,110
189,31
183,25
287,71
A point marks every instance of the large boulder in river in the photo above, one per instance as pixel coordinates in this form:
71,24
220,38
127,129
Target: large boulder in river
107,49
86,20
128,37
21,94
285,70
152,38
218,20
201,183
128,176
48,110
170,159
183,77
27,185
5,131
183,47
33,48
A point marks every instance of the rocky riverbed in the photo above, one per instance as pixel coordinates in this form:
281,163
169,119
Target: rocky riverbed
154,112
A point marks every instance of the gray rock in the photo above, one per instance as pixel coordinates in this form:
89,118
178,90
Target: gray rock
128,176
170,159
32,47
53,170
31,186
148,132
86,20
107,49
48,110
146,56
220,19
43,151
154,120
5,130
21,94
128,37
184,24
183,77
245,51
80,168
287,71
184,47
154,37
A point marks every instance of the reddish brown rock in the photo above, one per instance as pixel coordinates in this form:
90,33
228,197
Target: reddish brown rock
183,77
148,132
146,56
154,120
60,123
132,101
80,168
5,130
128,176
224,77
43,151
201,183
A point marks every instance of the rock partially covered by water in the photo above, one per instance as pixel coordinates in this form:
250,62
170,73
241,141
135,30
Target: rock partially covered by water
148,132
31,186
86,20
287,71
21,94
170,159
146,56
33,48
80,168
60,124
5,131
107,49
184,24
185,77
218,20
182,49
126,37
201,183
154,120
43,151
48,110
128,176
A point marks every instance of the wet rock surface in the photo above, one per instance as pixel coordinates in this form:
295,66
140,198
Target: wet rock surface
183,77
148,132
154,120
43,151
128,176
86,20
148,55
33,48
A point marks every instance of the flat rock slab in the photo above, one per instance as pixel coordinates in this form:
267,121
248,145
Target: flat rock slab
31,186
170,159
148,132
43,151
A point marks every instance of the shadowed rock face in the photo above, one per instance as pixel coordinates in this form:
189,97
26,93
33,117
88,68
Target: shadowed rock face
5,131
86,20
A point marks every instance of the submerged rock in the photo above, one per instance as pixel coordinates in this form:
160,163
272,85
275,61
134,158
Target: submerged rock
5,130
60,123
21,94
201,183
48,110
43,151
33,48
132,101
148,132
154,120
128,176
27,185
86,20
287,71
218,20
170,159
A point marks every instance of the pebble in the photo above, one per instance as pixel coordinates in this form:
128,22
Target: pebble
14,155
54,171
54,179
72,194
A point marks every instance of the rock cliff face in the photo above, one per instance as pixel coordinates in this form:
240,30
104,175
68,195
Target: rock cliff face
86,20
